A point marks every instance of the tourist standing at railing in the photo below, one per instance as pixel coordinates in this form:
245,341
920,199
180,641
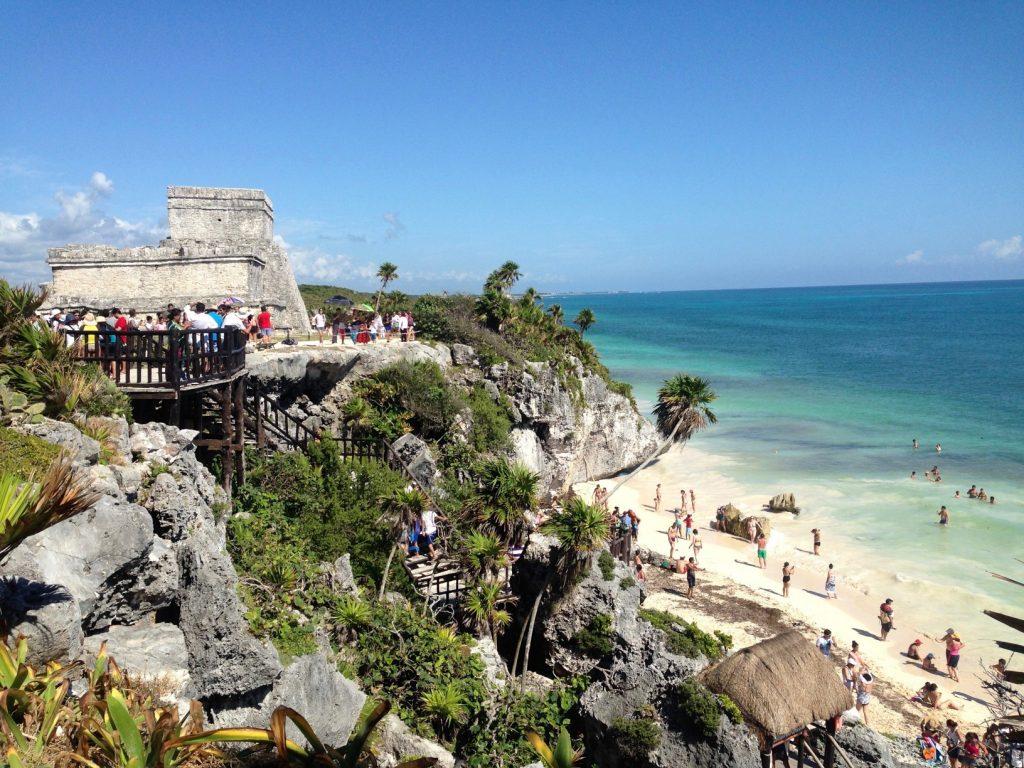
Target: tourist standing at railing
231,318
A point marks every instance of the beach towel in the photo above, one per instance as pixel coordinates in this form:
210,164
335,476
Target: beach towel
930,752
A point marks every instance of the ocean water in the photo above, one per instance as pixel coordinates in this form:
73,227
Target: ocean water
821,392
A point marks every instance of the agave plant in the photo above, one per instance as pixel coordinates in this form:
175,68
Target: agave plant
27,743
27,507
317,754
562,756
350,614
446,704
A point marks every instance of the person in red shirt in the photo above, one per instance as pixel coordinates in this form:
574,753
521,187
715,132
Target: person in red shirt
121,348
264,323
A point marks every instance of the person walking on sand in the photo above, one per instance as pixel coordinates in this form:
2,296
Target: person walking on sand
762,551
696,544
830,584
943,515
816,532
657,498
886,613
787,576
865,684
682,500
693,502
672,536
691,575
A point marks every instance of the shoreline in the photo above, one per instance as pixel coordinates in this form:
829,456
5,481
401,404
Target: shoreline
735,595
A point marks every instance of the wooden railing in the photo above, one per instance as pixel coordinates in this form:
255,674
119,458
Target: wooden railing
621,547
163,359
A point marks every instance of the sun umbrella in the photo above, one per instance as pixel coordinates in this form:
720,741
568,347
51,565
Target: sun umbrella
232,301
363,307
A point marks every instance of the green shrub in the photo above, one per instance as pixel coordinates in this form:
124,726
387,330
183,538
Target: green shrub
491,421
686,638
606,563
596,638
699,708
627,582
24,455
730,709
635,736
411,396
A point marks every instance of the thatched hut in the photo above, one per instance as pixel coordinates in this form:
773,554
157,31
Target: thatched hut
782,686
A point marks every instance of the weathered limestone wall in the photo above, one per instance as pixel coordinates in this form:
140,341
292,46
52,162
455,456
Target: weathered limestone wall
221,244
213,214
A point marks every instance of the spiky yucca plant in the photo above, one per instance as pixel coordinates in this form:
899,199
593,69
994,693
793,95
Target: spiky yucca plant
28,507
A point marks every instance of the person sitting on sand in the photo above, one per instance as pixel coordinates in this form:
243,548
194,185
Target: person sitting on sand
816,533
830,583
930,696
928,663
886,612
943,515
762,551
825,643
787,576
913,652
696,544
672,536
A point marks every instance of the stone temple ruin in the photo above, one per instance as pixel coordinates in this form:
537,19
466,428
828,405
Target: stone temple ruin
221,244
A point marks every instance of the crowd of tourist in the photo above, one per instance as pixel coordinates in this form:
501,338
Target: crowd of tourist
362,327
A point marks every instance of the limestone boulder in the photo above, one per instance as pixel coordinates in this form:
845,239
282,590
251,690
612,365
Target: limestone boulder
84,449
160,443
137,590
394,743
495,669
224,659
527,449
463,354
84,552
737,522
343,581
782,502
176,505
865,747
146,650
47,615
418,457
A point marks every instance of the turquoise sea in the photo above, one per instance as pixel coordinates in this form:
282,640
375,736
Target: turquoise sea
821,392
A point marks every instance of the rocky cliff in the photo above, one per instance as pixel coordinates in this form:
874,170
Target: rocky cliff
563,431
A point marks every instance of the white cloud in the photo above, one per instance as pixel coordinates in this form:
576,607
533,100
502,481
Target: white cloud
24,237
1011,248
320,266
915,257
395,226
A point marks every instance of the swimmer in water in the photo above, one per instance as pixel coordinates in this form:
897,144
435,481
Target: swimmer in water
956,495
938,447
943,516
916,444
913,475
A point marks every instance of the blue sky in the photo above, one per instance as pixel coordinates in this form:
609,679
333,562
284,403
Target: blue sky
618,146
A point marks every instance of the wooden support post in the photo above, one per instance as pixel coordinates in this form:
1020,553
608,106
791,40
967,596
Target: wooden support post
801,747
830,748
239,385
766,758
228,468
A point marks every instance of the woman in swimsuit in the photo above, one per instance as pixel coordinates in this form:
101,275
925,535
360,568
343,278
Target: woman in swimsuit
787,575
682,500
953,647
696,544
693,501
672,542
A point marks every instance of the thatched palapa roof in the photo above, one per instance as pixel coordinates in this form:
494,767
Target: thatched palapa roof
780,685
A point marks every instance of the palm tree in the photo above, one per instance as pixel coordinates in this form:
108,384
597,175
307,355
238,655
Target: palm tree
683,409
581,529
386,272
556,313
529,298
584,319
506,493
493,308
484,554
483,604
507,275
403,507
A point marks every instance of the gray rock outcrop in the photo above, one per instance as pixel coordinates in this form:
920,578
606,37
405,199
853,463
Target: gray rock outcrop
224,659
46,615
148,650
84,449
140,588
394,743
418,457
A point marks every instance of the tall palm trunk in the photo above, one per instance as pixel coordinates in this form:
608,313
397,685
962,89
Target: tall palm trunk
657,452
387,570
529,632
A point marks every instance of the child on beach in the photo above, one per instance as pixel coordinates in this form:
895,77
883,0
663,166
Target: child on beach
762,551
928,663
825,643
830,584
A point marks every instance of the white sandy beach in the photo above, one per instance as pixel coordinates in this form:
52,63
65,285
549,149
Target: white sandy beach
731,564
